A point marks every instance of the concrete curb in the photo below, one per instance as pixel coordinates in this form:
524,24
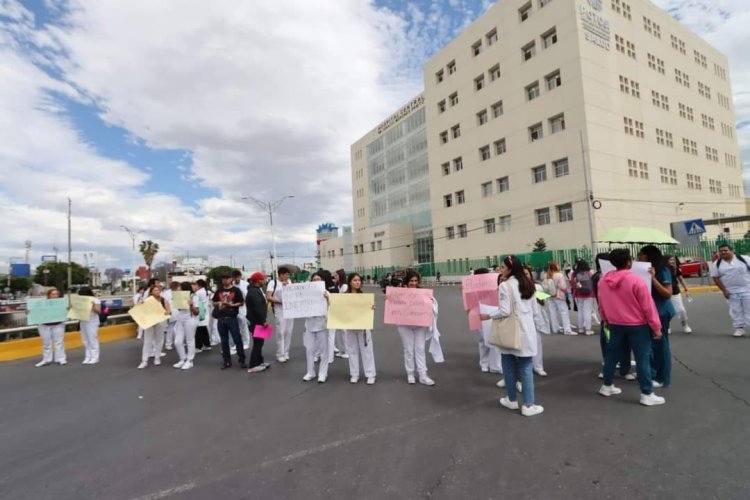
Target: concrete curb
697,290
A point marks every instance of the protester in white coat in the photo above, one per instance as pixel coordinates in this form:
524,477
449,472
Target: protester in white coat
556,284
315,340
242,317
90,329
53,336
284,327
516,297
541,323
153,338
186,323
359,342
202,337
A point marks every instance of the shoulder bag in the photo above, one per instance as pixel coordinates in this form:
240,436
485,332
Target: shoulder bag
506,332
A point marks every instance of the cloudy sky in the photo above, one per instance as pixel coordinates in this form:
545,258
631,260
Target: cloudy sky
162,116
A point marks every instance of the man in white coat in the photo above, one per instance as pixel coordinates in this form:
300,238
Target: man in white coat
284,327
242,285
731,273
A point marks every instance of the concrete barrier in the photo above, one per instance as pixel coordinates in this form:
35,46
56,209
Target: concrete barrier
32,347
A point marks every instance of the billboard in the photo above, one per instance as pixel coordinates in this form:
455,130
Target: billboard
22,270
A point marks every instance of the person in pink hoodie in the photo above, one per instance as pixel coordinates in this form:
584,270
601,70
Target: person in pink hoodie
629,314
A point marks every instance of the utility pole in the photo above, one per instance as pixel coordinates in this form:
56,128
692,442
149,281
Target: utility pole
70,253
133,235
589,198
270,207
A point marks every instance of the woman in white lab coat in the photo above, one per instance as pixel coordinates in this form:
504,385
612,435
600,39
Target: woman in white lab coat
186,323
90,329
316,341
53,336
359,342
153,338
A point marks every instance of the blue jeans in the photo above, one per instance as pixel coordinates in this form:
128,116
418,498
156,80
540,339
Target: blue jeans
624,358
524,366
230,326
639,339
662,354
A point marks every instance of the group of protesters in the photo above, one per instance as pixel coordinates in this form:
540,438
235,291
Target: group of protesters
634,322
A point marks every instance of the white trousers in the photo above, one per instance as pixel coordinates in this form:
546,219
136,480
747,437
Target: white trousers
53,347
414,338
538,361
184,334
584,313
359,343
284,329
213,327
489,356
559,306
739,310
153,340
679,307
244,328
90,339
169,336
335,341
316,344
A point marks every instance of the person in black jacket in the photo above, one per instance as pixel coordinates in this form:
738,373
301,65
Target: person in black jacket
257,314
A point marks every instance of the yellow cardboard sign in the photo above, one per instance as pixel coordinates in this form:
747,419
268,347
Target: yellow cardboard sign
80,307
148,313
351,311
180,300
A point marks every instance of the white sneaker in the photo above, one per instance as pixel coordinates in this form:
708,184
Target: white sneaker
43,363
652,400
157,361
232,350
93,361
609,390
316,359
589,332
354,380
169,348
321,380
179,364
739,332
501,383
657,384
519,387
370,380
571,333
308,377
280,359
511,405
630,376
86,361
142,365
686,328
541,373
484,369
530,411
344,356
425,380
581,331
601,375
62,363
188,365
161,355
410,379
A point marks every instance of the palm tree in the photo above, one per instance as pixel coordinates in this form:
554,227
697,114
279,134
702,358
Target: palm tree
149,249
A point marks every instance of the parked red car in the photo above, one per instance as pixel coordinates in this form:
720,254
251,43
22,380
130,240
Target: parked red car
692,266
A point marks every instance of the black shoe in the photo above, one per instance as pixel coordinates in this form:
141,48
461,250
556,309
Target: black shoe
226,365
243,365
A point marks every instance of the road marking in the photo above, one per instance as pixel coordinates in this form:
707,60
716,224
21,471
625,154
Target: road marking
168,492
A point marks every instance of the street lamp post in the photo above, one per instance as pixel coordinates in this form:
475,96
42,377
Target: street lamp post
133,235
270,207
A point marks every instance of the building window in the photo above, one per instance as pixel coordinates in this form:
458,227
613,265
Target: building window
486,189
460,198
450,233
668,176
451,67
476,48
712,154
549,38
504,223
685,112
532,91
677,44
482,117
497,109
638,169
479,82
557,124
500,146
489,226
681,78
441,106
714,186
440,76
453,99
491,37
503,184
651,27
628,86
462,232
448,200
535,132
542,216
524,12
659,100
656,63
708,121
694,182
446,168
443,137
553,80
704,90
633,127
664,138
528,51
539,174
494,72
458,164
561,167
484,153
456,131
564,212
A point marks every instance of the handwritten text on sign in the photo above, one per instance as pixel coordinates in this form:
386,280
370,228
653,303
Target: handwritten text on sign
80,307
479,288
408,306
47,311
304,300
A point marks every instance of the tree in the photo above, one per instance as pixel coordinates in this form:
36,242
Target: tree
17,283
216,273
58,274
148,249
540,245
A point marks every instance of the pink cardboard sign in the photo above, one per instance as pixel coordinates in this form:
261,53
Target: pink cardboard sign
475,324
408,306
262,332
479,288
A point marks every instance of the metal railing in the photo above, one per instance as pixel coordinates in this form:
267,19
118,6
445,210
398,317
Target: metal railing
23,332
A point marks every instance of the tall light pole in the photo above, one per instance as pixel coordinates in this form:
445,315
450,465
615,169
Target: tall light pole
270,207
133,235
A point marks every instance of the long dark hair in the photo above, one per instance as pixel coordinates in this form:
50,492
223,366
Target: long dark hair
349,288
581,266
600,256
525,286
654,256
328,280
341,274
87,291
409,275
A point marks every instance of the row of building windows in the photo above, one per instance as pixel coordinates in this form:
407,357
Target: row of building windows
640,170
502,223
547,39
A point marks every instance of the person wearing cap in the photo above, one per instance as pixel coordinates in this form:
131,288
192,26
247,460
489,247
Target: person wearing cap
227,301
256,306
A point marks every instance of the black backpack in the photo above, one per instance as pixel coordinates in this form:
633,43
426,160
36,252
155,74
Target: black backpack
583,282
739,257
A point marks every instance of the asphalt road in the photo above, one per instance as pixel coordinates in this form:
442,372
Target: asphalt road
113,432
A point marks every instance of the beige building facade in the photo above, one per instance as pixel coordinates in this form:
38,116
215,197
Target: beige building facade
562,119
